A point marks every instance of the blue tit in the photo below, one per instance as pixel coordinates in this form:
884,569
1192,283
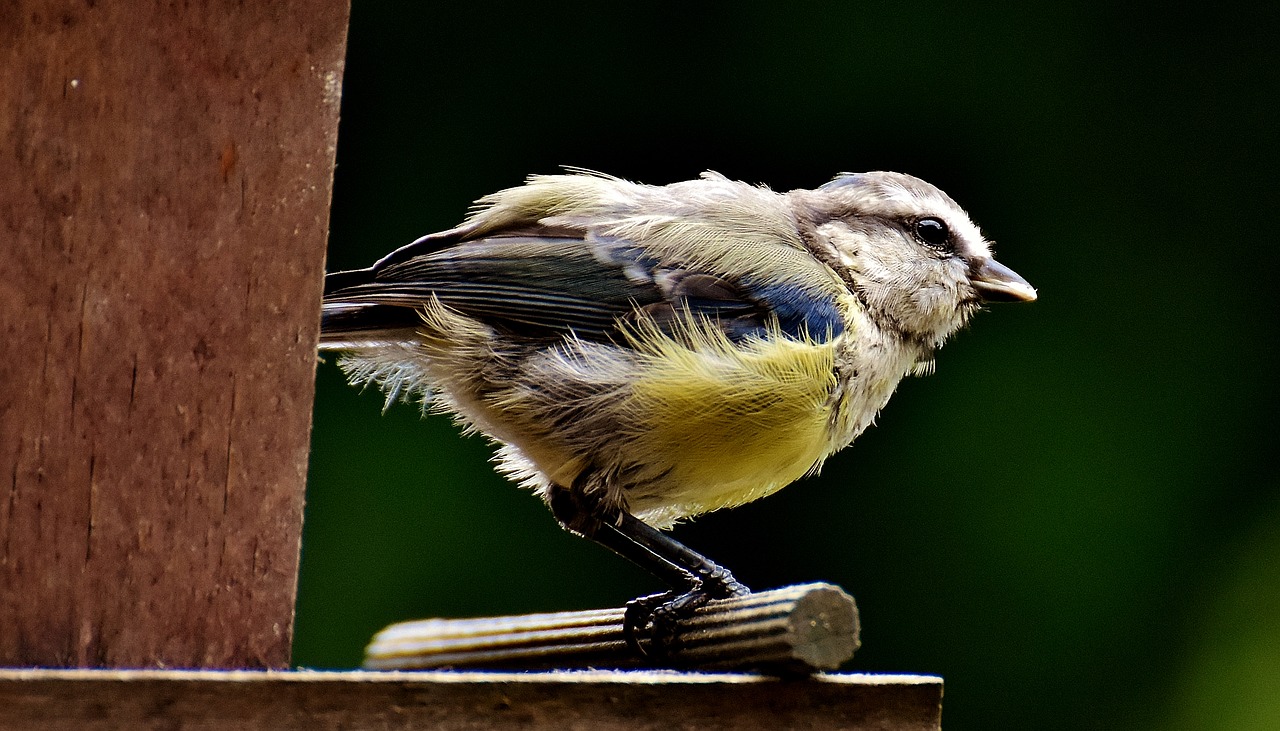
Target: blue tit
644,354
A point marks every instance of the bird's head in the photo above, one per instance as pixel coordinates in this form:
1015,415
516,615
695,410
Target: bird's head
907,251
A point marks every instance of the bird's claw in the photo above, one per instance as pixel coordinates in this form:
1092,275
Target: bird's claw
651,624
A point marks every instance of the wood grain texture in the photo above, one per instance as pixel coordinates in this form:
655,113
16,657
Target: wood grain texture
796,629
564,701
163,211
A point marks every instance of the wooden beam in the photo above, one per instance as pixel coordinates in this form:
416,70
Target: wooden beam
795,629
306,701
164,209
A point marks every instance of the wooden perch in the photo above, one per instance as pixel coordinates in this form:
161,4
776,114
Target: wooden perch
799,628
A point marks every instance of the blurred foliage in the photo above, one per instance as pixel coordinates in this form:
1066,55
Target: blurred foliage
1074,521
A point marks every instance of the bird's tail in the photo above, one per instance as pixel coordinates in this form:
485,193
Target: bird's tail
350,321
346,326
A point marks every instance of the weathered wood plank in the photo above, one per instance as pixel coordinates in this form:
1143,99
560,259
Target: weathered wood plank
598,701
163,212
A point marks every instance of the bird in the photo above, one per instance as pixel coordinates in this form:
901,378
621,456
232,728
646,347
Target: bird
644,354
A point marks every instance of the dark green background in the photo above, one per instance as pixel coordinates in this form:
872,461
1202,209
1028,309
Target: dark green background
1076,521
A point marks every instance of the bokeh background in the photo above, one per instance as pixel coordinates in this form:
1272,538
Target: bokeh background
1076,521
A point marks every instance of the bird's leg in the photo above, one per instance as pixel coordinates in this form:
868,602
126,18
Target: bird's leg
712,578
658,615
694,579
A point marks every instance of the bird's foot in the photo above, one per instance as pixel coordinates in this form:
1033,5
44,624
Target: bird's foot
651,624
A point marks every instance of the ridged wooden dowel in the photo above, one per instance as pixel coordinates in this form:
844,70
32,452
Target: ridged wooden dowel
799,628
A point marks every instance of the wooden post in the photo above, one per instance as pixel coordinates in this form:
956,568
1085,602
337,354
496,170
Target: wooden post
165,175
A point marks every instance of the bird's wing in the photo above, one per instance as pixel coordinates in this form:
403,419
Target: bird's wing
549,281
589,254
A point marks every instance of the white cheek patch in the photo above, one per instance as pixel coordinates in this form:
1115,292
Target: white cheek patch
829,234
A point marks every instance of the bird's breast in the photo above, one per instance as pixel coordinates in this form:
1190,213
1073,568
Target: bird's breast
721,426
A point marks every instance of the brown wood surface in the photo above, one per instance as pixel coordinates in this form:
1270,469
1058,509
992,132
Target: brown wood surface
563,701
165,173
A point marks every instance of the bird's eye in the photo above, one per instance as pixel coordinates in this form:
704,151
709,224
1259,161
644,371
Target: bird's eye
933,232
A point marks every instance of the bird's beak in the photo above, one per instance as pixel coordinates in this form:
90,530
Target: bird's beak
996,282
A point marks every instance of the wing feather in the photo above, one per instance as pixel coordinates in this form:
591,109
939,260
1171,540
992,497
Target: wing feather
583,255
